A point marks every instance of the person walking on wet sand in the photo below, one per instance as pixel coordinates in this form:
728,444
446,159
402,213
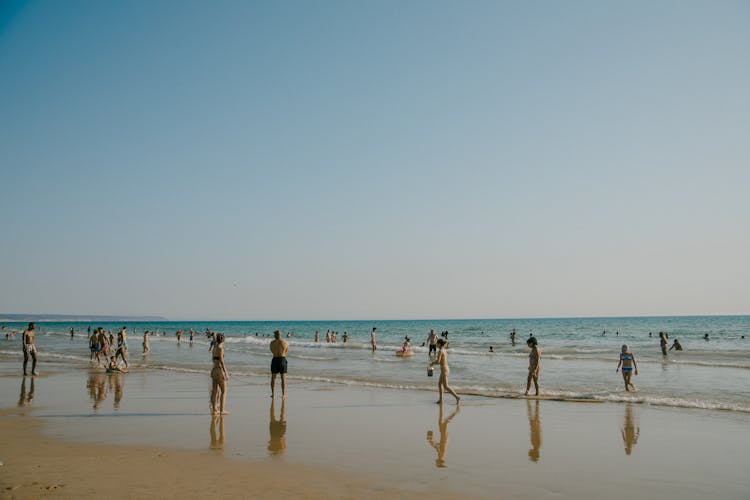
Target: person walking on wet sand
29,348
279,347
122,346
627,361
534,366
442,360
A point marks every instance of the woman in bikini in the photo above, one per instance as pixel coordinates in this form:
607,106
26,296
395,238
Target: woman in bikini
146,346
442,360
534,366
627,361
122,347
219,377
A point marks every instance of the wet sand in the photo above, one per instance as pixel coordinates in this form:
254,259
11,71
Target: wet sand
150,433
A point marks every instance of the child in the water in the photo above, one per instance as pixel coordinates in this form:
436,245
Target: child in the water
113,367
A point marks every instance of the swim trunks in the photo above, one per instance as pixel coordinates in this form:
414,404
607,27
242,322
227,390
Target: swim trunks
433,348
278,365
29,348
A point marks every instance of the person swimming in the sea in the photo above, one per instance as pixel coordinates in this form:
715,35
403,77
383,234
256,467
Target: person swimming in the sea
406,346
627,361
676,345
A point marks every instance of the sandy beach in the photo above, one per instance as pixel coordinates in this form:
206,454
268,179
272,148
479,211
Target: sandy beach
149,433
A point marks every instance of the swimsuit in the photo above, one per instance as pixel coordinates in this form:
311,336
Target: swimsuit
626,357
278,365
29,348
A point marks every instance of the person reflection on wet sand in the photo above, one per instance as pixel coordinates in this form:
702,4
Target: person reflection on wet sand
442,445
277,430
535,428
97,386
629,431
119,386
217,443
25,399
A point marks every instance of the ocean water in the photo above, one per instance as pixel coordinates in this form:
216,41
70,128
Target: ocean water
577,360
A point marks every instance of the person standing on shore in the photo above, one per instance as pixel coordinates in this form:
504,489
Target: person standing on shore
94,345
29,348
219,378
103,349
534,365
372,340
442,360
627,361
278,347
432,342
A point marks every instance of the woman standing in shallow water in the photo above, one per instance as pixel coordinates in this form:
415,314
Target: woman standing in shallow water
627,361
219,377
442,360
534,366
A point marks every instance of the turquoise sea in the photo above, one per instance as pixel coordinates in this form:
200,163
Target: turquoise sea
577,360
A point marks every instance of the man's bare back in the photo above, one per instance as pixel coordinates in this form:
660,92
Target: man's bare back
279,347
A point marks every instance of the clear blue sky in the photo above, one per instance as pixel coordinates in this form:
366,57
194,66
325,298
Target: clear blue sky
423,159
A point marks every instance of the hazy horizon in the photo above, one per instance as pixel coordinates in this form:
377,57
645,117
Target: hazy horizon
375,159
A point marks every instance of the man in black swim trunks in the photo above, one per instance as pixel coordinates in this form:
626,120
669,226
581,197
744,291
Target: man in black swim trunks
432,342
279,347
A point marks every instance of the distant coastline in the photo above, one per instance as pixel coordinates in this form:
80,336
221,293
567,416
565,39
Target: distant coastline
51,318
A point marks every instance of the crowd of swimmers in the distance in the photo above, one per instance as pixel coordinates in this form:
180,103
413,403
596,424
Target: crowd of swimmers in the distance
109,350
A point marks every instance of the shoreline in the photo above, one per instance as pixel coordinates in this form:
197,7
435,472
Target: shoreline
356,442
